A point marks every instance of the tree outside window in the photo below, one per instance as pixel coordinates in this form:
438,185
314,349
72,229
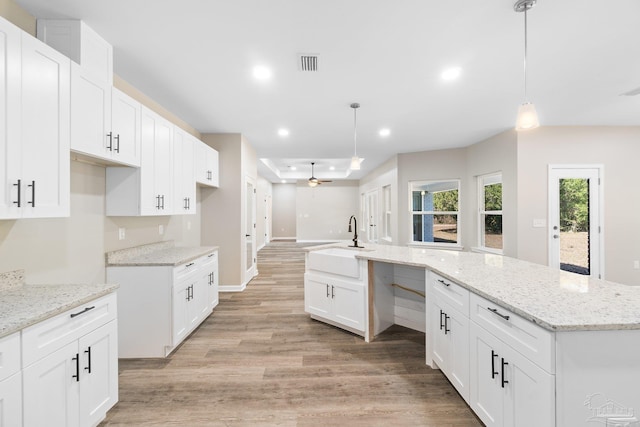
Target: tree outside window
435,212
490,212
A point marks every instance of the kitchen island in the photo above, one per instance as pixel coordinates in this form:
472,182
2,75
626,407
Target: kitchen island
522,343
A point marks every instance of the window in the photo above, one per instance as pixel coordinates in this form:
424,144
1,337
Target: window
386,211
434,207
490,212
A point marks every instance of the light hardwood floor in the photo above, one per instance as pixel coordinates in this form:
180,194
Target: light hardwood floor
259,360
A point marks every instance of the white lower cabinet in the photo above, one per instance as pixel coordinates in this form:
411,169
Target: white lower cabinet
10,381
70,366
209,276
450,347
340,302
507,389
161,305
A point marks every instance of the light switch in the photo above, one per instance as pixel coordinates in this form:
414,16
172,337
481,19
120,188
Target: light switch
636,265
121,233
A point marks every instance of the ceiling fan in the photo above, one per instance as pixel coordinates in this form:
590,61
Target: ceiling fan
313,181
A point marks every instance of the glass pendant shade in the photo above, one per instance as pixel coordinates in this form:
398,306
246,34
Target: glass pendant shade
355,163
527,117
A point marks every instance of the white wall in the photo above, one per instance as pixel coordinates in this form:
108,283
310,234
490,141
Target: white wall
323,212
618,149
495,154
284,211
429,165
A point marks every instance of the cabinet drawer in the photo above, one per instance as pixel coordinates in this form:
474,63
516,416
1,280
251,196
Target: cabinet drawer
183,271
49,335
532,341
9,355
208,260
452,293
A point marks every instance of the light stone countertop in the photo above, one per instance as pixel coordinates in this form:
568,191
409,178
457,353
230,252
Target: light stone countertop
554,299
24,305
156,254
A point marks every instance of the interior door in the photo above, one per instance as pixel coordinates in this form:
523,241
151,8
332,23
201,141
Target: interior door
250,230
371,215
575,219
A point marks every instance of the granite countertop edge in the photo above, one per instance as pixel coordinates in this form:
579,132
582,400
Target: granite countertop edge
171,257
33,299
551,322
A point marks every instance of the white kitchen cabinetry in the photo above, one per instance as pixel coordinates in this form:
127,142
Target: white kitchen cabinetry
184,190
34,110
507,388
450,331
335,300
207,167
159,305
96,117
70,366
10,381
146,190
209,276
125,128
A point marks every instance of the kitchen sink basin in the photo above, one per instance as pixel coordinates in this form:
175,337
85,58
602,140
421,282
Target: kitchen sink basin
340,261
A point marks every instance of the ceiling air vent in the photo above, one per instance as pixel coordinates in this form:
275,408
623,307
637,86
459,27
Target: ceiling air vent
633,92
308,62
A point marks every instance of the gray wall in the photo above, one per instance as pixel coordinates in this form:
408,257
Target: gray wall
284,211
323,212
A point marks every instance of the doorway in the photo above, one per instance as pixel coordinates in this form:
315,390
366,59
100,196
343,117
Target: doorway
575,219
371,214
250,230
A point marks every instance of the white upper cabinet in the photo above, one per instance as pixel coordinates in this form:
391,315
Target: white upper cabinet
147,190
96,113
125,128
207,172
34,111
184,184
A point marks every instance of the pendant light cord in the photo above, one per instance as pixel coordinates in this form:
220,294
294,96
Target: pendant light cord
355,132
526,7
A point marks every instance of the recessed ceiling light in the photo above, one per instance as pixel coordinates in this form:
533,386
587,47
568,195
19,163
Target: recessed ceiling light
384,132
293,168
451,73
261,72
284,181
332,168
283,132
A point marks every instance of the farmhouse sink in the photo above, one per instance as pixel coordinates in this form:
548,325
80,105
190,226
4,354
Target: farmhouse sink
340,261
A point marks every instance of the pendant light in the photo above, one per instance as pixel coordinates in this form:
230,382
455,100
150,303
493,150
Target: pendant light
355,160
527,116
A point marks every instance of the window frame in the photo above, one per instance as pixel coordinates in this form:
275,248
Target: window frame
387,212
458,214
482,182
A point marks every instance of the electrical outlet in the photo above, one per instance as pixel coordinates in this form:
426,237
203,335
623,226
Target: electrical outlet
188,225
161,229
121,233
636,265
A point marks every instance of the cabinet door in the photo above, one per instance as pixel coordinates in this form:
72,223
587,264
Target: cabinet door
215,168
90,115
11,401
198,304
348,304
51,389
125,125
486,392
317,296
45,130
458,335
184,180
530,393
99,367
441,343
180,316
10,147
214,288
163,169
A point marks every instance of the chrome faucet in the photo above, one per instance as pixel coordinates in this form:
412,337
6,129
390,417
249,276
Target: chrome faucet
355,231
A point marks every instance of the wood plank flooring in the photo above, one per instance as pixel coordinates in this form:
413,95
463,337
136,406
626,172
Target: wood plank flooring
259,360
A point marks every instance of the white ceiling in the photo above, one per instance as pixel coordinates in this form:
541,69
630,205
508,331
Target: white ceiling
195,57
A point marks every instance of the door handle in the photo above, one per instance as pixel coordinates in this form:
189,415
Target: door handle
88,351
493,364
503,380
33,194
77,360
247,235
555,236
18,184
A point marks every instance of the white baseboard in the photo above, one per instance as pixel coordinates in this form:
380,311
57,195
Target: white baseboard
320,241
232,288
